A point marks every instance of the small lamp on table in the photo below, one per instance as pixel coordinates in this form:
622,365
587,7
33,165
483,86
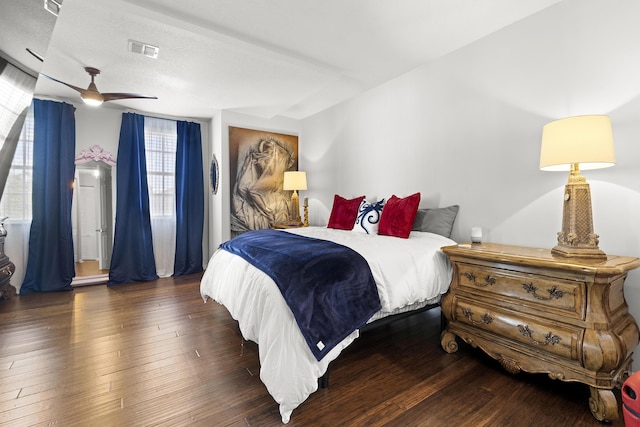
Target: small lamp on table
567,145
295,180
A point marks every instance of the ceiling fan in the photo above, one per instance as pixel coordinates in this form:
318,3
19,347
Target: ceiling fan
91,96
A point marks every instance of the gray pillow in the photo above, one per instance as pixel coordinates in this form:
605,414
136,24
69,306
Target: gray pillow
439,220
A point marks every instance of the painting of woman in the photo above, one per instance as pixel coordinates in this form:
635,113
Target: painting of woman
257,199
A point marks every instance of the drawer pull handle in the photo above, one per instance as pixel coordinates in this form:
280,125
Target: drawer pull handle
486,319
488,281
554,292
548,339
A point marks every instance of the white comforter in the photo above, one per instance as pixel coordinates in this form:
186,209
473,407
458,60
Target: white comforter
406,271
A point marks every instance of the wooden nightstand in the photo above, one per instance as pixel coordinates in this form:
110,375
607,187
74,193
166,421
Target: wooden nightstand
539,313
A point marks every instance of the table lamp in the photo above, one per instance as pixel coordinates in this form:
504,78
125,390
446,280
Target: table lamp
295,180
567,145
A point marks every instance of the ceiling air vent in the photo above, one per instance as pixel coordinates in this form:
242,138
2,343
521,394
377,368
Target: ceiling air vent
53,6
143,49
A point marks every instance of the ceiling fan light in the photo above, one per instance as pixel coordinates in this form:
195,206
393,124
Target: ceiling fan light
93,100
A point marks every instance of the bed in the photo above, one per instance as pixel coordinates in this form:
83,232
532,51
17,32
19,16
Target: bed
409,273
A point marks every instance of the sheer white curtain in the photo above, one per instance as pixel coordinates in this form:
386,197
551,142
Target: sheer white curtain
16,163
161,137
16,202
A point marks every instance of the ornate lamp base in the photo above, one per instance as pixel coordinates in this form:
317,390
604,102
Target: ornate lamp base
571,252
294,209
577,239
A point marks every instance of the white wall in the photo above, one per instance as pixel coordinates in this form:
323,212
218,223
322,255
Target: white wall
466,130
99,126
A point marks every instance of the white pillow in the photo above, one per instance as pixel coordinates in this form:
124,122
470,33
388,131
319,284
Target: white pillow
368,217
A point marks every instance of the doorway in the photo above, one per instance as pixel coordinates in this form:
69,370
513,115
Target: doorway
92,223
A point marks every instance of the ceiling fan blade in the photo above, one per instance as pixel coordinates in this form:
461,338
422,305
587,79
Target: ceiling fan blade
79,89
92,96
115,95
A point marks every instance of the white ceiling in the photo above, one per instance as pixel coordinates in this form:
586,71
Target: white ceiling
290,58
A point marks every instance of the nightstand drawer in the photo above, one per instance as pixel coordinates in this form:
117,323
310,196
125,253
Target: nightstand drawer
532,290
532,333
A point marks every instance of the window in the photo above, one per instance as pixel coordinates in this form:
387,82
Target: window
161,137
16,200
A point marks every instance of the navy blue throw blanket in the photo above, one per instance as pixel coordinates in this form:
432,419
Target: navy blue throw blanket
328,287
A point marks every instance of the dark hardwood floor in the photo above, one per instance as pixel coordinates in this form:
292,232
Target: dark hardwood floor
153,354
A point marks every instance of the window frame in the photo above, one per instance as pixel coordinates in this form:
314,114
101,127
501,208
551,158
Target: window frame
160,143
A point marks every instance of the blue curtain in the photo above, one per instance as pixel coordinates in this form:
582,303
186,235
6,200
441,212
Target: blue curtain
132,259
189,200
50,264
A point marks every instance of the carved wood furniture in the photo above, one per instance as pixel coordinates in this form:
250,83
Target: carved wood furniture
539,313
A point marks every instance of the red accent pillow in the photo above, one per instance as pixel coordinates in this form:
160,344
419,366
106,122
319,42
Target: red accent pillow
344,212
398,216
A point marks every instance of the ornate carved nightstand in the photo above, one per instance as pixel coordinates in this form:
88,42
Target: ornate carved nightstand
538,313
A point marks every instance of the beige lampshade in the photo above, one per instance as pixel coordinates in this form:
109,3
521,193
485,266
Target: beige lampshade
586,140
295,180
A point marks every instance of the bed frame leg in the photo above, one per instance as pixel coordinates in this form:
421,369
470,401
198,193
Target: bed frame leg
443,322
323,381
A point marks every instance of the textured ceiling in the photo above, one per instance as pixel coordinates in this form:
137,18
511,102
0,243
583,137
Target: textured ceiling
290,58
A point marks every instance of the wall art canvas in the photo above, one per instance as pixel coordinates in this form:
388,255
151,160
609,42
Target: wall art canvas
257,162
